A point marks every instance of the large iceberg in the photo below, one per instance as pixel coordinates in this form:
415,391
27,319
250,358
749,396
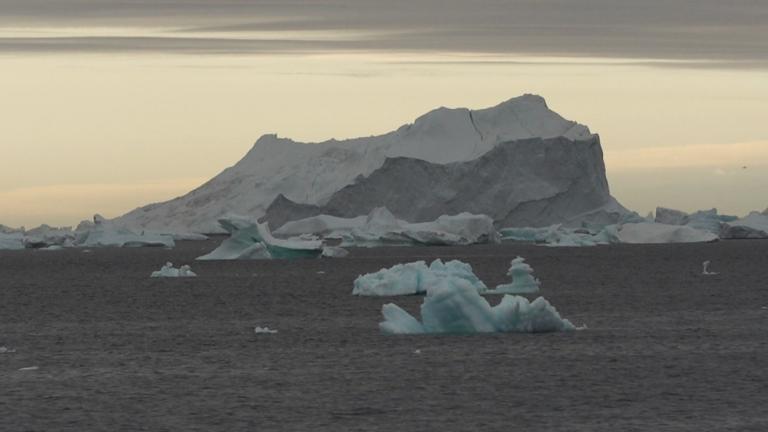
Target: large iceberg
253,240
454,306
415,278
523,281
519,159
380,227
529,182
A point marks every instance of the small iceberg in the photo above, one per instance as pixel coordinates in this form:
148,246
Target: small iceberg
415,278
169,271
523,281
252,240
264,330
454,306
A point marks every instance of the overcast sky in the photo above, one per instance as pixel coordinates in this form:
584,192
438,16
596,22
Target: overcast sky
733,31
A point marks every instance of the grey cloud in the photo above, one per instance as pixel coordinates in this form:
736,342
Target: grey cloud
721,32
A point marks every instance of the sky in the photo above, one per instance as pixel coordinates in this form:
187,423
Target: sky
107,105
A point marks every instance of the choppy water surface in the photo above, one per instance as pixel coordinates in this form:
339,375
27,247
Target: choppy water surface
666,348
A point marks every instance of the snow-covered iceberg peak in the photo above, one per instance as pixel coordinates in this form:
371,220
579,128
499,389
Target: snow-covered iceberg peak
311,173
523,281
454,306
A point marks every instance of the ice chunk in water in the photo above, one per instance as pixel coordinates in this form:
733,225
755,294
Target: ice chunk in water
414,278
252,240
169,271
522,280
454,306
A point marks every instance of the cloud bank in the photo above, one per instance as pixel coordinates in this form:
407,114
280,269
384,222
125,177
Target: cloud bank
730,32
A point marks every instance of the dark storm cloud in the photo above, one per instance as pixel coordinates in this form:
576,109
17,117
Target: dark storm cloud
716,30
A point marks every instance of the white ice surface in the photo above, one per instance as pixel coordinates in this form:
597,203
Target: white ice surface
454,306
169,271
662,233
334,252
523,281
11,241
414,278
755,220
380,227
311,173
252,240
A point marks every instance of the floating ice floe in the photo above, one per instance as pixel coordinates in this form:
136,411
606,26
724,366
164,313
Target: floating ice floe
252,240
169,271
380,228
334,252
523,281
661,233
46,236
102,233
264,330
558,235
13,241
29,369
6,350
454,306
99,233
705,269
415,278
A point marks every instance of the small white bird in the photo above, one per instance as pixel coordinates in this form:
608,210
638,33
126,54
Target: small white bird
705,269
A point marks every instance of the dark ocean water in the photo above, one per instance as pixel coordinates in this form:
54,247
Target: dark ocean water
667,349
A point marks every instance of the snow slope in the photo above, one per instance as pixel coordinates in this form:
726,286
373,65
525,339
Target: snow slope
311,173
